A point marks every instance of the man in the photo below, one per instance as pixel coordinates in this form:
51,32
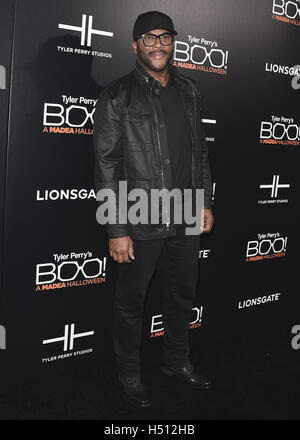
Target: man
148,132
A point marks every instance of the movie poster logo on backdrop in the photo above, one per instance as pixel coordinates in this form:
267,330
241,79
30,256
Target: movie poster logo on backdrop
287,11
269,245
280,130
198,53
73,115
157,327
75,269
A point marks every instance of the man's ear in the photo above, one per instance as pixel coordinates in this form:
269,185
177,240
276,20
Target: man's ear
134,46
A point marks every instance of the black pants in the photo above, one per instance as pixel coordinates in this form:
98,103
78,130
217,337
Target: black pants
179,255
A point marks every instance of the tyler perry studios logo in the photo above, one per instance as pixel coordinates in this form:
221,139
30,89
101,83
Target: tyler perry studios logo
67,342
287,11
73,115
70,270
269,245
87,34
280,130
157,328
272,189
198,53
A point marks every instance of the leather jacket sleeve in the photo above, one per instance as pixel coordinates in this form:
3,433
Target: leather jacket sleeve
205,163
206,171
107,143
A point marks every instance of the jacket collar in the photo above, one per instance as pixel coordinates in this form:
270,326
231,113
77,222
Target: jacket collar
146,79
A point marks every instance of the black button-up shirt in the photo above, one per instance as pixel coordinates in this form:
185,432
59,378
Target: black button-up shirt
179,141
178,133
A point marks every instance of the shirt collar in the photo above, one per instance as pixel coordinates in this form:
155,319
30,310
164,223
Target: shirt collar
148,78
171,79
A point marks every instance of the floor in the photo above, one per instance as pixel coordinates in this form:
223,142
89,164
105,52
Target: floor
252,384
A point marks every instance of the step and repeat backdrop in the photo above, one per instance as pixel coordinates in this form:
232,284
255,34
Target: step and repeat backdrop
57,275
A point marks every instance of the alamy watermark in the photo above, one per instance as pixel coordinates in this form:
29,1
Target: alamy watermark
2,338
295,342
296,79
172,204
2,77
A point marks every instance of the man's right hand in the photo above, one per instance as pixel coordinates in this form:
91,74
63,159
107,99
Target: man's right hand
120,249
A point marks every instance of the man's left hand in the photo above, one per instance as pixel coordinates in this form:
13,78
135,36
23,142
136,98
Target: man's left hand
207,220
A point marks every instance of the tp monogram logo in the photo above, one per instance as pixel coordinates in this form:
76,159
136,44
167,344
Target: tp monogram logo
275,185
68,338
85,30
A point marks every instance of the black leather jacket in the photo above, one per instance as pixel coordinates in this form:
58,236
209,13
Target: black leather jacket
130,143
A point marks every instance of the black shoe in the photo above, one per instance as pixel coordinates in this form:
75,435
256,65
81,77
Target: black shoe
187,375
134,391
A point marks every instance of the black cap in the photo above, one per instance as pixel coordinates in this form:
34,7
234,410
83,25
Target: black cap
152,20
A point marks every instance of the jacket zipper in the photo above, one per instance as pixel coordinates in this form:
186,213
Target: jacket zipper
195,134
195,137
159,147
158,139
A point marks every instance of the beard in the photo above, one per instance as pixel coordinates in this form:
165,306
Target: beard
145,59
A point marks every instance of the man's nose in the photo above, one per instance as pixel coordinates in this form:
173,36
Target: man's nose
158,43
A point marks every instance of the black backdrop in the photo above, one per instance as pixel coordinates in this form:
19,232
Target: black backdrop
235,51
